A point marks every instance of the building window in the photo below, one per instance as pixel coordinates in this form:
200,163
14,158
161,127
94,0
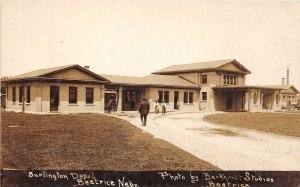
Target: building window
89,95
166,96
20,94
188,97
14,94
163,95
191,97
204,96
283,97
160,96
185,97
224,78
73,95
28,94
204,79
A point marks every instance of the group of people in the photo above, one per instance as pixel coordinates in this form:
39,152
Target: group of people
163,107
144,109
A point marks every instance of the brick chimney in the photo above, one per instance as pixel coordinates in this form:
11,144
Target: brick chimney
86,67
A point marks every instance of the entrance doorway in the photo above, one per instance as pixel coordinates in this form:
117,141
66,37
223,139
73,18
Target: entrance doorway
54,98
228,102
131,100
176,98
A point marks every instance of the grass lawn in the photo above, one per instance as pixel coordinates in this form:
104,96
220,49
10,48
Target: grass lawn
279,123
86,141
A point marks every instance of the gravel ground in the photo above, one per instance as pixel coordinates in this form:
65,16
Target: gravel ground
227,147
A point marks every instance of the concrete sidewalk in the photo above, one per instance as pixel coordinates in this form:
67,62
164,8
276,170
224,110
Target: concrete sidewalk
227,147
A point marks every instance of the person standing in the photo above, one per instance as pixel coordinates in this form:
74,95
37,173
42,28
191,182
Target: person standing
144,110
110,104
163,105
156,107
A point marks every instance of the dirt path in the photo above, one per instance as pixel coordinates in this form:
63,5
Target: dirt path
229,148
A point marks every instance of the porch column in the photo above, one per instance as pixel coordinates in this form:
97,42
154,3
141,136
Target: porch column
38,98
250,101
6,96
258,101
274,106
23,97
120,96
246,102
262,101
102,100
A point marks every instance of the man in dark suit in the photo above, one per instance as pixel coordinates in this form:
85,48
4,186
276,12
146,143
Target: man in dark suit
144,110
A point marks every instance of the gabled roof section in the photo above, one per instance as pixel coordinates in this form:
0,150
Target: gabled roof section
45,74
150,80
203,66
41,72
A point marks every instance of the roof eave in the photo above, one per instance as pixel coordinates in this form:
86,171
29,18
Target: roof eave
47,79
154,85
197,71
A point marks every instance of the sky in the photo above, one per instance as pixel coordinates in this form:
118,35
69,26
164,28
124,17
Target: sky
137,37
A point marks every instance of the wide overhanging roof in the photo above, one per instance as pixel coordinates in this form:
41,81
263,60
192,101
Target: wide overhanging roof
150,80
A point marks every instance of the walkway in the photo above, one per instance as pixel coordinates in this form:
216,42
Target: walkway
227,147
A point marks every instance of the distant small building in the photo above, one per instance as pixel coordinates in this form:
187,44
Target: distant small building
215,85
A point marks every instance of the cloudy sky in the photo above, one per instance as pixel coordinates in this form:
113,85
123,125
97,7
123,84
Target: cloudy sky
137,37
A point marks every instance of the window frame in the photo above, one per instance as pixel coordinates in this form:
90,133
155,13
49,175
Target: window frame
14,94
204,96
204,79
191,97
75,92
21,92
186,97
89,95
160,96
28,94
167,96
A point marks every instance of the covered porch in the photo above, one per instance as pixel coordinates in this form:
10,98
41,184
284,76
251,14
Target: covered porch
127,98
246,98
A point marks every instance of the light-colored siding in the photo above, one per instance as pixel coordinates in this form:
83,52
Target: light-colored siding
72,74
40,98
152,94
